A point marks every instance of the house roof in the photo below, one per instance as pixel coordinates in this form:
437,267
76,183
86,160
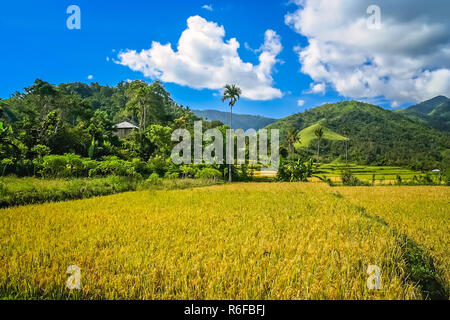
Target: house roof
125,125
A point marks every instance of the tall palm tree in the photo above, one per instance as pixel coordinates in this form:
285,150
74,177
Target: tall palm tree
139,95
292,138
319,134
232,93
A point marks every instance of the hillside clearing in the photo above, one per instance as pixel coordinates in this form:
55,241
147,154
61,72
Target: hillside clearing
306,136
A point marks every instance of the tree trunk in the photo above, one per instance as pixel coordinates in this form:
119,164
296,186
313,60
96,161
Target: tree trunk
145,116
318,150
230,179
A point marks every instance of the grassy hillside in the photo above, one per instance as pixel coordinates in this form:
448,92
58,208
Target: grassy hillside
376,136
240,121
306,136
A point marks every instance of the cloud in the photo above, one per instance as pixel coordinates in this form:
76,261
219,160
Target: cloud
204,60
317,88
300,103
207,7
90,77
406,60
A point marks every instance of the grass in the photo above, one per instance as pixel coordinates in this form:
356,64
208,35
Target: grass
234,241
307,135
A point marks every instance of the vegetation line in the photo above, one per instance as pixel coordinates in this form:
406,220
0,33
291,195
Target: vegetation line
421,270
78,189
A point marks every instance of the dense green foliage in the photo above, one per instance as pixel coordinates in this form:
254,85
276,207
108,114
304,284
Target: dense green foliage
295,170
434,112
376,136
68,130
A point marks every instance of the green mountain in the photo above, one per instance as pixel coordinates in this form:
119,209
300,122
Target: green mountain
376,136
434,112
240,121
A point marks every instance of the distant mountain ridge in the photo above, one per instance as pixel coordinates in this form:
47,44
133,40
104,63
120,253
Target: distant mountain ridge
240,121
376,136
434,112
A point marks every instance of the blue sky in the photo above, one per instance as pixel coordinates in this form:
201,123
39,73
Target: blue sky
37,44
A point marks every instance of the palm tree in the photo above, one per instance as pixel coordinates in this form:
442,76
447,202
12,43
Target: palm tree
292,138
139,94
233,94
319,134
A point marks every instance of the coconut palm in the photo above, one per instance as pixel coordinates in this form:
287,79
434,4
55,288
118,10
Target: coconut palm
319,134
232,94
292,138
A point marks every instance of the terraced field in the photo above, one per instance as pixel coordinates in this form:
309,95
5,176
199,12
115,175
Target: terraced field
235,241
367,173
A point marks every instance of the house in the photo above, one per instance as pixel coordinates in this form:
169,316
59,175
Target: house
123,129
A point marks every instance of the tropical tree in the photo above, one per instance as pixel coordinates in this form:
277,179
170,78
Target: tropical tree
138,94
319,134
232,94
292,138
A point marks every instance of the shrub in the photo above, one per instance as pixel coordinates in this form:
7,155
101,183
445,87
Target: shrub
299,170
209,173
5,163
158,165
54,165
171,175
154,179
348,179
114,167
188,171
244,173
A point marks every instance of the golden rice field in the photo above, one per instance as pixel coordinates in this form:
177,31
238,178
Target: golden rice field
235,241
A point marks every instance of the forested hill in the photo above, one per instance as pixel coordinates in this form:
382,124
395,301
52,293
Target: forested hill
434,112
240,121
76,117
377,136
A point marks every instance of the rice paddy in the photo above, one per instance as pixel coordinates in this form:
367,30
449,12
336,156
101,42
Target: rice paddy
234,241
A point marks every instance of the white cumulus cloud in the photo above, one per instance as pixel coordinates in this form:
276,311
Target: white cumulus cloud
203,59
90,77
406,60
300,103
